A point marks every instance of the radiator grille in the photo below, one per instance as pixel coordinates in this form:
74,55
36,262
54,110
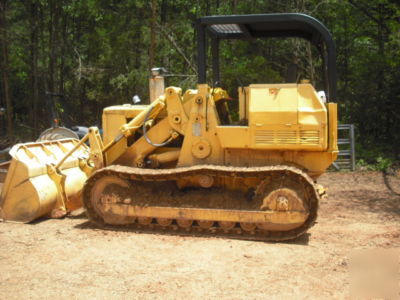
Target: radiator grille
309,137
264,137
287,137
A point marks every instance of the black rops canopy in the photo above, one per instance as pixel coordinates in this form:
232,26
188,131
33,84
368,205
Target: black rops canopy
265,26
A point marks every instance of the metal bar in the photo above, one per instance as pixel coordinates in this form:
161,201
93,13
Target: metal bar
344,126
47,151
201,52
83,140
344,161
245,30
205,214
279,25
331,69
352,147
344,153
215,60
347,156
62,147
343,141
113,142
336,166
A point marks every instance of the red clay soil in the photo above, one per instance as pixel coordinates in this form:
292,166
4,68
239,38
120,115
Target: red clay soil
70,258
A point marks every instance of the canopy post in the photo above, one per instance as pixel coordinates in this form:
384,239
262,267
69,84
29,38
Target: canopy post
201,52
265,26
215,60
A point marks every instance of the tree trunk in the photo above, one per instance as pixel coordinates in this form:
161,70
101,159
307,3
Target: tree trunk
152,50
164,11
5,68
52,45
63,49
233,6
311,65
33,65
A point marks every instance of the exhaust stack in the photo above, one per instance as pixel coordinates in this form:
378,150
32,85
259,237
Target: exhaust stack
156,83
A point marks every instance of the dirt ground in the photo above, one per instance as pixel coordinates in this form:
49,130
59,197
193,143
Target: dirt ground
71,259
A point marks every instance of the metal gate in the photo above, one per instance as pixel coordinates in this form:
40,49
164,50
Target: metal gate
346,143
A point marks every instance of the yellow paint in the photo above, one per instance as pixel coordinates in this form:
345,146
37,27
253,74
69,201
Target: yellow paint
203,214
32,188
280,124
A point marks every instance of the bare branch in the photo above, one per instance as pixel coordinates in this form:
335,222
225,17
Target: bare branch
170,38
79,64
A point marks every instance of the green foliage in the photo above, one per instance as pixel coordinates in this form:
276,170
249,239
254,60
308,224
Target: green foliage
100,55
380,164
383,163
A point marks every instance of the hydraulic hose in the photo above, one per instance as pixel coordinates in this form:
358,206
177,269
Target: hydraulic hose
145,132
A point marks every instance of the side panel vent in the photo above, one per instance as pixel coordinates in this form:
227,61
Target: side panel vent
265,137
309,137
287,137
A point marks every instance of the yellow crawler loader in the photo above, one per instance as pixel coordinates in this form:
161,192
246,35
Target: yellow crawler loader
181,164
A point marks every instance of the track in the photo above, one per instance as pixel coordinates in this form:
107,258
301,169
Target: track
147,199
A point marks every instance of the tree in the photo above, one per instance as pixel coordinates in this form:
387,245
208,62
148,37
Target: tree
153,43
98,53
5,67
32,7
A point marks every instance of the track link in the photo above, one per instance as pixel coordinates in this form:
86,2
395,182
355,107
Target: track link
238,230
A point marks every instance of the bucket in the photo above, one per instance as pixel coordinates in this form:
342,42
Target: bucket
33,187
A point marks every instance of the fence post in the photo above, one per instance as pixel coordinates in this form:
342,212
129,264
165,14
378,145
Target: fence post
352,146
